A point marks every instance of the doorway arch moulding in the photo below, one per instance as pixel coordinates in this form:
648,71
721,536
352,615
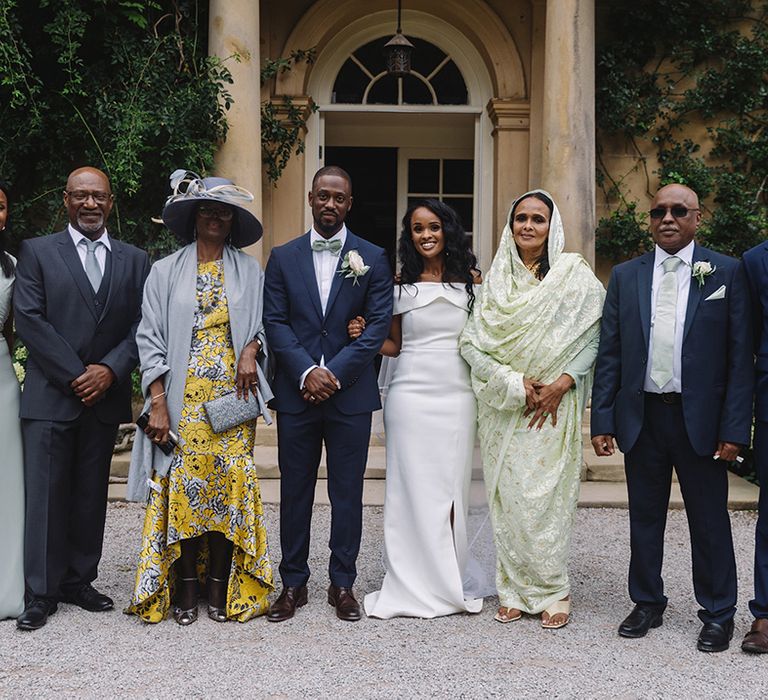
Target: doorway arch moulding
485,53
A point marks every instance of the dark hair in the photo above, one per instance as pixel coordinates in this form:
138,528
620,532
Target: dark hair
6,266
332,170
543,261
460,261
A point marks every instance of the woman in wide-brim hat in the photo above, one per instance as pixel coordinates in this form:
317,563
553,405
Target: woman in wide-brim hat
200,337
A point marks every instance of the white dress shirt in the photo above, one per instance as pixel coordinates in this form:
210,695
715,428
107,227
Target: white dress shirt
326,264
683,273
100,252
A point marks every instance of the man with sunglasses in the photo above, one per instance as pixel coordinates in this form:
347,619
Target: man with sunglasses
673,386
77,304
756,267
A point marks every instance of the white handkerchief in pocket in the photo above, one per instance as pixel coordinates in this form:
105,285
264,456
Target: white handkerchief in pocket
717,294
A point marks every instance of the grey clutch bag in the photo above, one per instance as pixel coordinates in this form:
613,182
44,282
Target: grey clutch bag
228,411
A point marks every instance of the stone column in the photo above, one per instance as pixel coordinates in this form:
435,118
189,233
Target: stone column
233,28
511,146
568,143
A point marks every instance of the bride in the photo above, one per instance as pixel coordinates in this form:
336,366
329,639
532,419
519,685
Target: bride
429,418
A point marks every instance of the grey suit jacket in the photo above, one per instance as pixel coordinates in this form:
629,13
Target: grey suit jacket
64,331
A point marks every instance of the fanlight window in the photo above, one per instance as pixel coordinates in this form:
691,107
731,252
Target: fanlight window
434,79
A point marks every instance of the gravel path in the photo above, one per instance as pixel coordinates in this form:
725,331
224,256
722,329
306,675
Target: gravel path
80,654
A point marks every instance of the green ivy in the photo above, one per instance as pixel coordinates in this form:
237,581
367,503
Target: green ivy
123,85
282,123
665,70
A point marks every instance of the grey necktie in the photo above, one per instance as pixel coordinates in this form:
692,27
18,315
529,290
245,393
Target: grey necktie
662,356
92,269
334,246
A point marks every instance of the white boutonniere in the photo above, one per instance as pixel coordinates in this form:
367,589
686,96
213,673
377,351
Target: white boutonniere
702,269
353,266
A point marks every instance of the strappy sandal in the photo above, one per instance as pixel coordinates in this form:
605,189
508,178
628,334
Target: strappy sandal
505,617
216,614
560,607
186,617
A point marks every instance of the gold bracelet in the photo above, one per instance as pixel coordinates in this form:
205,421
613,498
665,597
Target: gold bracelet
156,396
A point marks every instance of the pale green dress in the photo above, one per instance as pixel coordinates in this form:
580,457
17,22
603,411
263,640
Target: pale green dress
523,327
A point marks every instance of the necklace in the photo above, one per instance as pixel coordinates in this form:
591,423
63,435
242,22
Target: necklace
533,267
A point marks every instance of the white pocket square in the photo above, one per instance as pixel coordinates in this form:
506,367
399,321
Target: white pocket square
717,294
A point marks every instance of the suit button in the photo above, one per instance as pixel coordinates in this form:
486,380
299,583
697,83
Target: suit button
324,332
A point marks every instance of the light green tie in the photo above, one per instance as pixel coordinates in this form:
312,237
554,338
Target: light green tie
334,246
662,356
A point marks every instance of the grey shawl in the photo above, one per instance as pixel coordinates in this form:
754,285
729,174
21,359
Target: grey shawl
164,338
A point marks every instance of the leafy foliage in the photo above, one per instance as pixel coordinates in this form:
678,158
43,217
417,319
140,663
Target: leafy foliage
672,71
282,123
123,85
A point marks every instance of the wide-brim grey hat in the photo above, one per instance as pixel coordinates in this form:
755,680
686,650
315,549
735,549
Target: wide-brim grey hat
190,190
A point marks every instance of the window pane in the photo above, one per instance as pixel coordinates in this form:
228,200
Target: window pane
424,175
458,176
372,55
384,91
449,86
415,92
463,208
350,84
425,57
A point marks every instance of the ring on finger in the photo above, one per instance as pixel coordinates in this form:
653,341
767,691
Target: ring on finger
545,414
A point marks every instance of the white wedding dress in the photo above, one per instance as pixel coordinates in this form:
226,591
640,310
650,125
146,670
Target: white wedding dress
11,475
430,419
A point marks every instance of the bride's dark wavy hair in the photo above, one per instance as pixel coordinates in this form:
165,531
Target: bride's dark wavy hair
543,261
6,266
460,261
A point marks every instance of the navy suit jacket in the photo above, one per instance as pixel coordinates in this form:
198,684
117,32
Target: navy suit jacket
299,334
57,320
756,266
717,369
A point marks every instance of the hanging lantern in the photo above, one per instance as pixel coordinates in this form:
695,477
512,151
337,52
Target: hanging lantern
398,51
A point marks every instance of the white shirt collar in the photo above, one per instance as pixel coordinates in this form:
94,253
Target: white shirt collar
685,254
77,237
340,235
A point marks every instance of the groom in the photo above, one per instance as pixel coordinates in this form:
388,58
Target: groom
325,384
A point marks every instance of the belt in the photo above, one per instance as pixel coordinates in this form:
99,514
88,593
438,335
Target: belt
668,398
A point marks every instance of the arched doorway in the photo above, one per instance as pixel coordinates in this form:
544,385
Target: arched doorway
405,138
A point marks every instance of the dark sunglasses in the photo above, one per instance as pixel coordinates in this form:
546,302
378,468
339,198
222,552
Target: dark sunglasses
677,211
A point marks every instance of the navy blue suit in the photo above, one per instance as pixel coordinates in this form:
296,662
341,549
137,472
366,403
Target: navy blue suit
655,436
299,335
756,267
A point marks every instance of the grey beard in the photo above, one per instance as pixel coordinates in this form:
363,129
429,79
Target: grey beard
91,228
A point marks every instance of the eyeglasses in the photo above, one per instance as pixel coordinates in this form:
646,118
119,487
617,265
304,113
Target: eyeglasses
81,196
677,211
215,213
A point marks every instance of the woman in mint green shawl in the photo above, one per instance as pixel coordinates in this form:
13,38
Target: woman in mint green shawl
531,343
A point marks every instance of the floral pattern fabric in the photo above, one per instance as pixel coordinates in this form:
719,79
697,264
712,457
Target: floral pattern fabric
522,327
212,484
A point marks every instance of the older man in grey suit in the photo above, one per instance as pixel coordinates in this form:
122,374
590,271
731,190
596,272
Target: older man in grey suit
77,304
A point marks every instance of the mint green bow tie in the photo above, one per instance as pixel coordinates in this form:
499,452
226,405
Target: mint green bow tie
333,245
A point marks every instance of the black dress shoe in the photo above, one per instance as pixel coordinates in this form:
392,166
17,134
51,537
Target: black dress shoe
36,614
640,620
284,608
347,608
88,598
715,637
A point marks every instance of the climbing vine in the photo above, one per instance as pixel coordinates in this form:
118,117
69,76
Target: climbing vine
686,80
283,122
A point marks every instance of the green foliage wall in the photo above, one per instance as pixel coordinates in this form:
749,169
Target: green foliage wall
124,85
668,70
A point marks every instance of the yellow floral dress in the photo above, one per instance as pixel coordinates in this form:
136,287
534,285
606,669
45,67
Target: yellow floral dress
211,484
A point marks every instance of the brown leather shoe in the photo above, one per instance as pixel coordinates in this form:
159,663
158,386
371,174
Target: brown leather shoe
756,641
284,608
347,608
